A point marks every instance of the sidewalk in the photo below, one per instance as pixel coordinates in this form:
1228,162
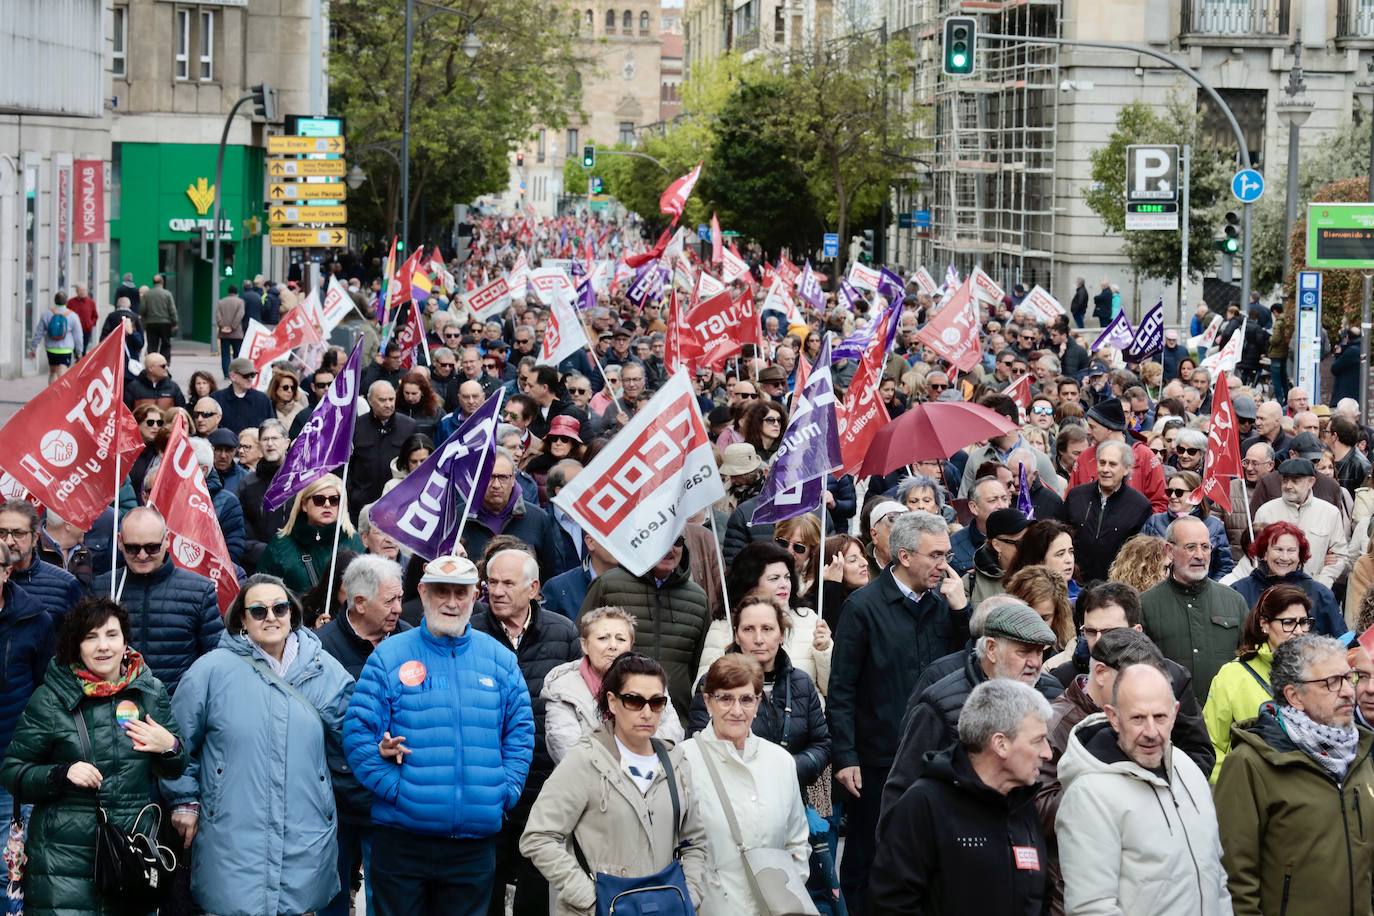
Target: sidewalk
187,357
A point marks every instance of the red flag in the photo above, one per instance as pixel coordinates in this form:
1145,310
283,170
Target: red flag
653,254
410,335
674,199
1020,392
788,270
1222,461
723,325
408,270
1366,639
803,373
863,413
131,443
58,446
681,346
180,494
716,254
953,333
296,329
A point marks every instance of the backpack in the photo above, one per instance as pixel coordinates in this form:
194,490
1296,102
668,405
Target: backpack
57,326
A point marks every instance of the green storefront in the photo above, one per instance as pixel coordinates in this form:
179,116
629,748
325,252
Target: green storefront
166,195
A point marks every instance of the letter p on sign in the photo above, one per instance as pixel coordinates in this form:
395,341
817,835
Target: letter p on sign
1151,172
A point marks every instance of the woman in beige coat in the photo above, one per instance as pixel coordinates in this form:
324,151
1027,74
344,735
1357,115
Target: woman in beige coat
610,797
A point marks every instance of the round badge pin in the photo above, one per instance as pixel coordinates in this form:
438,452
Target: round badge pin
126,712
413,673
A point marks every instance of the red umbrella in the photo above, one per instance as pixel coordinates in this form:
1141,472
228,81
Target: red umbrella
931,431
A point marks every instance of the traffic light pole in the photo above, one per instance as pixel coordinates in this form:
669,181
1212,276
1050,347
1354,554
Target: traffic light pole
1243,152
219,197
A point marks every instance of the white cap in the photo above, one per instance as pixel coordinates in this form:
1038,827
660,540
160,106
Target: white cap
450,570
884,509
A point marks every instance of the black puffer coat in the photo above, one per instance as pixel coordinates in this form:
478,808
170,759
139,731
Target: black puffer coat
173,617
61,842
794,718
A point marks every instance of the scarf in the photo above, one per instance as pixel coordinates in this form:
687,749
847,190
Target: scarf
590,677
1333,748
496,522
129,668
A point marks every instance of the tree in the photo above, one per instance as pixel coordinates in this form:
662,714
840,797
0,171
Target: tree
1156,254
466,112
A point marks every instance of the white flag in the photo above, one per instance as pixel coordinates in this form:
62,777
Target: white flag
1042,305
708,286
985,289
563,335
1225,359
735,267
863,277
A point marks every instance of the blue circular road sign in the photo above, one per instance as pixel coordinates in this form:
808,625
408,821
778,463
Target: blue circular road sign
1247,185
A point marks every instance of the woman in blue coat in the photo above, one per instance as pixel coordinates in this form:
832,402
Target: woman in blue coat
262,716
1180,486
1279,553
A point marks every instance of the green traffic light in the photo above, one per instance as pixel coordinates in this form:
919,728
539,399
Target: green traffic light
1232,246
958,59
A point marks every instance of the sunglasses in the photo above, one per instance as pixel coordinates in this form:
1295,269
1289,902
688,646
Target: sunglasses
579,391
634,702
1043,411
135,550
156,423
936,386
747,395
319,500
798,549
259,611
248,374
286,387
1176,493
203,414
1185,450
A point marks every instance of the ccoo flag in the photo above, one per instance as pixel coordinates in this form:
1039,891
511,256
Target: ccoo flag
1149,337
326,440
425,510
810,450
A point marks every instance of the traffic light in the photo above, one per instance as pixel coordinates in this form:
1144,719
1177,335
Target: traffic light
1231,230
226,258
866,247
588,156
519,159
264,105
597,185
961,37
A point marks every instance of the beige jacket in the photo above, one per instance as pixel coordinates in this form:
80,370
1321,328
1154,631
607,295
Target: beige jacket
620,831
798,646
1325,531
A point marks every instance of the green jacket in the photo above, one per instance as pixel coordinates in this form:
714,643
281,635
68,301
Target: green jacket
1197,626
301,558
159,307
62,828
1294,842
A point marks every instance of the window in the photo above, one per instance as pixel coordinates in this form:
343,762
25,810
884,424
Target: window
644,23
779,26
119,65
627,21
591,20
182,68
540,148
207,45
572,141
627,133
610,21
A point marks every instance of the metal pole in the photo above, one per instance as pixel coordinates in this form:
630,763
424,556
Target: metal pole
219,198
1364,299
880,256
1185,168
1290,208
405,129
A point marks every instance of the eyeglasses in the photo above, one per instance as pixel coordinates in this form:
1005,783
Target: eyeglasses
1334,682
16,533
1095,632
747,395
252,374
286,387
799,549
135,550
634,702
502,478
937,386
319,500
203,414
155,422
1176,492
579,391
452,334
321,386
1159,452
1043,411
745,701
1007,364
1290,624
1254,462
774,420
259,611
1185,450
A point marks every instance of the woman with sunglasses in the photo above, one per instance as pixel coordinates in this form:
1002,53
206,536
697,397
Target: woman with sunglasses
259,715
301,550
1242,686
762,426
284,391
802,536
607,807
1279,553
1179,490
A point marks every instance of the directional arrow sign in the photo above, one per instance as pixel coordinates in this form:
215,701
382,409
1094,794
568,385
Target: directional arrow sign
309,238
324,190
314,168
283,146
290,214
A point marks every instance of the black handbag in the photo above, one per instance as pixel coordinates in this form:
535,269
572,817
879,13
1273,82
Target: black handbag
130,866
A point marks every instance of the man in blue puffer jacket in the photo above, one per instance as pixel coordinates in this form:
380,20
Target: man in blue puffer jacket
55,589
27,641
440,731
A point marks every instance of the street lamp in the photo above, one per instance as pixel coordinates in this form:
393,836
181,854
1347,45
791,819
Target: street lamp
1293,109
1365,88
356,177
471,45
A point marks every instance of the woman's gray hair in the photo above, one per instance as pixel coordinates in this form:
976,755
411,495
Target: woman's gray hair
586,621
1191,438
1127,455
366,574
908,528
920,482
998,706
1294,660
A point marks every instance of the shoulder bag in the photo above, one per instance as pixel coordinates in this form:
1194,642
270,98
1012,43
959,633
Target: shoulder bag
15,855
130,866
772,872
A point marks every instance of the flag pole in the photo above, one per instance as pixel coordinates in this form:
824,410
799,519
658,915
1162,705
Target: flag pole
114,524
720,557
599,368
481,465
820,558
1249,522
424,334
334,554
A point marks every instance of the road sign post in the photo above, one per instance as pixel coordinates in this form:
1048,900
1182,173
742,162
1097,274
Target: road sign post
296,146
1307,333
1152,187
830,245
334,237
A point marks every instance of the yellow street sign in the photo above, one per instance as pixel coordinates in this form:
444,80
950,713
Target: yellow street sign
297,190
314,168
289,214
284,146
310,238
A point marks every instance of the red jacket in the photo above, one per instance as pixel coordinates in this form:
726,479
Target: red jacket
84,307
1147,476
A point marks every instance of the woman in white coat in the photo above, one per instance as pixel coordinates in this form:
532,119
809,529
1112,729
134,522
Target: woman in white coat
570,690
760,784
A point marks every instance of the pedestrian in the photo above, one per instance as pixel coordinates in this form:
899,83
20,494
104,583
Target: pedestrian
441,791
1318,519
1105,512
261,525
230,324
1078,306
502,509
28,633
242,404
377,440
1279,553
98,731
158,310
626,803
59,331
85,309
258,715
964,838
55,589
300,552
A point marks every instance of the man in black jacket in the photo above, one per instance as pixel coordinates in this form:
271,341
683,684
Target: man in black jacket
1073,359
914,613
946,850
1078,306
541,641
260,525
1106,512
377,441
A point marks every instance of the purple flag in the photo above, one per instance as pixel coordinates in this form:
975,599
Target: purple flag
1117,334
424,511
809,288
325,441
891,287
647,284
586,296
1023,500
855,345
1149,337
810,450
848,294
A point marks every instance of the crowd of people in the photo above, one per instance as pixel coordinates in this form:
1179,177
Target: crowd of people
1039,675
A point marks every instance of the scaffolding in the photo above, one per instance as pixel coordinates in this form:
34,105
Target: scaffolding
991,142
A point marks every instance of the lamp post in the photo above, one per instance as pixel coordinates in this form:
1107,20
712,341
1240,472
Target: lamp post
1365,88
1293,109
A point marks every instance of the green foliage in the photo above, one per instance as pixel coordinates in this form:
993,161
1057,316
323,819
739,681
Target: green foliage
1156,254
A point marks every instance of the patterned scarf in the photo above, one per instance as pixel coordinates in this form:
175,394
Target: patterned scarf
92,686
1333,748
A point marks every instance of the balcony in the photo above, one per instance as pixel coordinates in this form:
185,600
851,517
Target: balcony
1355,20
747,41
1259,21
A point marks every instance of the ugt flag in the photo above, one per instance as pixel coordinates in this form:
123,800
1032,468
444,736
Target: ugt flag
325,441
1149,337
636,496
424,512
810,449
1222,461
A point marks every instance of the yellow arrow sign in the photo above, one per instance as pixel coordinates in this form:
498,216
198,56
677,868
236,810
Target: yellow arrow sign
282,146
314,168
309,238
288,214
293,191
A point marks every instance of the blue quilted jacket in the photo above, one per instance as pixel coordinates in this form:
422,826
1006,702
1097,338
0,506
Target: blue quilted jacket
27,641
51,586
462,705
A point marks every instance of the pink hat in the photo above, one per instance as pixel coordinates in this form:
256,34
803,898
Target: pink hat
567,427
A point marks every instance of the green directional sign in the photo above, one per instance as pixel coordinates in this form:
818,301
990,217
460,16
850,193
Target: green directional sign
1340,236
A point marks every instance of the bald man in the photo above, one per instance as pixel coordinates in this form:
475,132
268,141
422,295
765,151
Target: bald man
377,441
